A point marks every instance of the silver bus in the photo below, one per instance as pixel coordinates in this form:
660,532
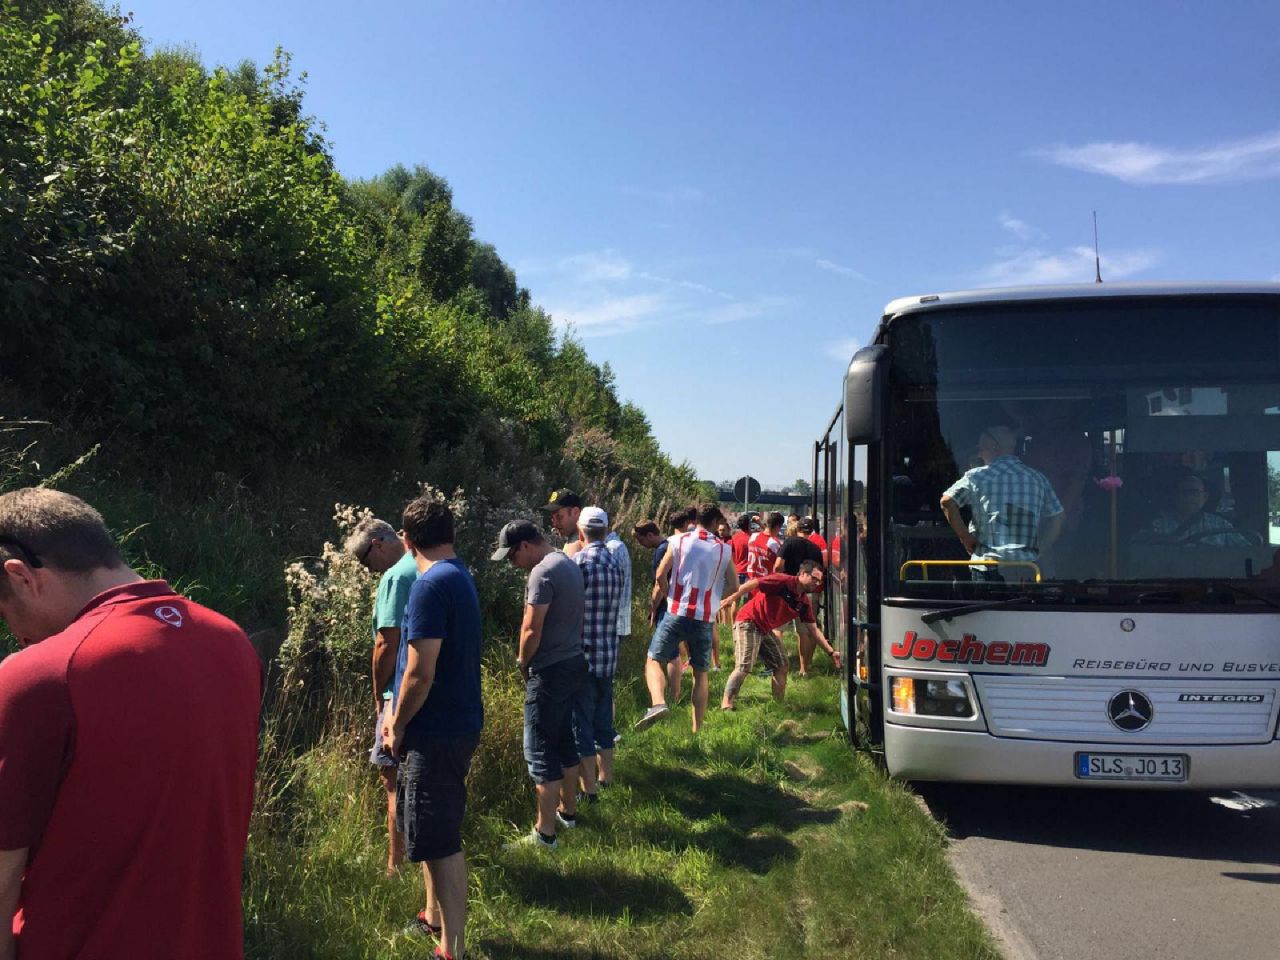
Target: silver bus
1133,635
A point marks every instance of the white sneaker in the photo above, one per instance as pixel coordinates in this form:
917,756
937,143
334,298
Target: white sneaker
531,839
568,821
652,716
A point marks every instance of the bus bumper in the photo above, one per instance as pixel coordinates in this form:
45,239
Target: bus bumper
920,753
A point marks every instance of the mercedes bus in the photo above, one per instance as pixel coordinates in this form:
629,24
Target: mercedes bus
1132,637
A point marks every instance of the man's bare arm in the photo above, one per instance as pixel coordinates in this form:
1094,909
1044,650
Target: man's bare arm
531,633
823,642
1050,530
386,645
741,591
415,686
661,579
951,510
13,863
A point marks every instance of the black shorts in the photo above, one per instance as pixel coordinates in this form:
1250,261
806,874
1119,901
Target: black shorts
431,795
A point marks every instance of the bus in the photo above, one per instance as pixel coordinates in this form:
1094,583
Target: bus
1132,637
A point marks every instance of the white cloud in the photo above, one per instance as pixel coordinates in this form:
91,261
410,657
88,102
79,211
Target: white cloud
595,267
1020,228
1255,158
1074,265
602,293
843,349
611,315
740,310
837,268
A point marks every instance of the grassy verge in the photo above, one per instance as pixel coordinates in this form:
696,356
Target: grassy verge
765,836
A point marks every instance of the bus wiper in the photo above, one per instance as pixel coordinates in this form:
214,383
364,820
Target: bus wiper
1245,592
950,614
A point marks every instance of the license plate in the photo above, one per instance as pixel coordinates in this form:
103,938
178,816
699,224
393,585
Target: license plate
1131,766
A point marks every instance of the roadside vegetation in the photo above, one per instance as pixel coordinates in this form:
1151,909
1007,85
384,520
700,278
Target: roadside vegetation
214,337
764,837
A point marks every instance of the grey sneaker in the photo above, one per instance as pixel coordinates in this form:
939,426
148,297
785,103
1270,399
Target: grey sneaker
652,716
532,839
566,820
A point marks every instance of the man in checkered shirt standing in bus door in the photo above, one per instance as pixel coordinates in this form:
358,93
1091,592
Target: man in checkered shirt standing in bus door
1015,513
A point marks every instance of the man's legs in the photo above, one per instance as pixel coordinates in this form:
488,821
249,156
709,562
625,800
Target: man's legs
604,766
700,693
395,841
745,643
700,634
673,677
774,655
806,643
569,789
431,912
548,799
449,879
656,678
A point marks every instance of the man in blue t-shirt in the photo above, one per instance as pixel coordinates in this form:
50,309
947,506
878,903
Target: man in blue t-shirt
375,544
437,716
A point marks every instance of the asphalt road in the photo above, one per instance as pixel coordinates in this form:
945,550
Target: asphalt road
1109,875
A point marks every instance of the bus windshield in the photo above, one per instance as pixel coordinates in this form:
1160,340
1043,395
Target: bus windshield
1109,449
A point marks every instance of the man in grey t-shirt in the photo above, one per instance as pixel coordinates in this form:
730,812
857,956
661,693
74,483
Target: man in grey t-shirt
554,668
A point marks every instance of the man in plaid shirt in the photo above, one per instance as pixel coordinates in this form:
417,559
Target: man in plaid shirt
593,709
1015,513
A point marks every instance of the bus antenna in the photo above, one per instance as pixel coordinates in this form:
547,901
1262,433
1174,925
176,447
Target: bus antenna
1097,258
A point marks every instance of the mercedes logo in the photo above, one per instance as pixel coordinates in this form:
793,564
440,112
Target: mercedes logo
1130,710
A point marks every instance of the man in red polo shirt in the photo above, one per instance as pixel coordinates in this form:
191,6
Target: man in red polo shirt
128,741
779,599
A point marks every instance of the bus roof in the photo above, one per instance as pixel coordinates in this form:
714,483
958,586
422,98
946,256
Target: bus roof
934,301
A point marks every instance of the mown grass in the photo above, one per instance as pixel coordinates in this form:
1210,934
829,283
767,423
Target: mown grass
763,837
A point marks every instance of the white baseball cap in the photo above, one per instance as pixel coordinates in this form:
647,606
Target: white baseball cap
593,518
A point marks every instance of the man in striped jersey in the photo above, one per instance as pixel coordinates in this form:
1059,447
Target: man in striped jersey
693,576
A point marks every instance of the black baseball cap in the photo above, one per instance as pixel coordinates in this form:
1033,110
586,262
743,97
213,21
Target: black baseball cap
564,497
512,535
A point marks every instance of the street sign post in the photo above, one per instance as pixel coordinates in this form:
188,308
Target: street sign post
747,490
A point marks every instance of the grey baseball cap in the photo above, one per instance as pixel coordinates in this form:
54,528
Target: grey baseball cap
512,535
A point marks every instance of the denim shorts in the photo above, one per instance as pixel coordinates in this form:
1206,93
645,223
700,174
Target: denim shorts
431,795
675,630
593,716
549,746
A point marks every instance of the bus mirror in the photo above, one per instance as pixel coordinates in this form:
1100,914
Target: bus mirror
864,394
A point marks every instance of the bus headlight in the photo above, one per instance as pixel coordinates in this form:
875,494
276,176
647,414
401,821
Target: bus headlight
921,697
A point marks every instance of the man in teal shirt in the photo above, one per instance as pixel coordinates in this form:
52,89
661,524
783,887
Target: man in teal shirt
376,545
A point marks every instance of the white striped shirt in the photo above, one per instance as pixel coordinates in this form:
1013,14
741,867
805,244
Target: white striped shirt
698,566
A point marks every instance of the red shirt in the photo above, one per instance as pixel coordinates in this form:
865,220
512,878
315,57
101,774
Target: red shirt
762,550
128,744
818,541
739,543
777,601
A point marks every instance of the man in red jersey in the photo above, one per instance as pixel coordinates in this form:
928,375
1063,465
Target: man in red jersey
763,548
128,742
778,600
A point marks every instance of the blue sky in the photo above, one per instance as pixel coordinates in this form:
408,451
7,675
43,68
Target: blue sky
720,197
